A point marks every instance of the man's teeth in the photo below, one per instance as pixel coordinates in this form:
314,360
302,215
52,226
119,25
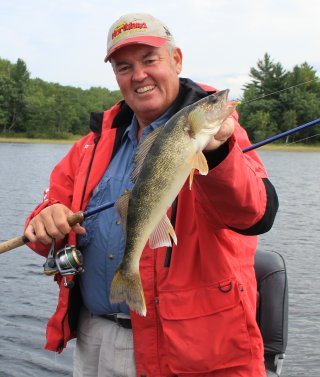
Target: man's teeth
145,89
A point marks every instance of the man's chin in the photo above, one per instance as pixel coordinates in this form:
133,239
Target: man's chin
148,112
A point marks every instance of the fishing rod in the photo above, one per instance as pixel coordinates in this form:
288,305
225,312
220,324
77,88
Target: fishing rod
279,136
66,261
74,219
78,217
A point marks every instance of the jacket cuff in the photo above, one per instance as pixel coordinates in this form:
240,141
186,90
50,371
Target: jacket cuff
215,157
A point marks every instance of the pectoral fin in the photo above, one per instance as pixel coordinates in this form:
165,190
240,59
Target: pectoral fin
163,234
202,164
198,162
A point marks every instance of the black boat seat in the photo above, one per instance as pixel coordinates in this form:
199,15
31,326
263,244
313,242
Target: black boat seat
272,310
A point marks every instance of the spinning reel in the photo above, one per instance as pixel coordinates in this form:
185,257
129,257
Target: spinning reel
66,261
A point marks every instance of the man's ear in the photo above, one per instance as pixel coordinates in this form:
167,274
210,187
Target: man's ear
177,56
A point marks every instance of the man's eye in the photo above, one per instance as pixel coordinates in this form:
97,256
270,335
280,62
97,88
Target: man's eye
123,68
150,61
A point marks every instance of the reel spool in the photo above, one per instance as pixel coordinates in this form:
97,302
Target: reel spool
66,261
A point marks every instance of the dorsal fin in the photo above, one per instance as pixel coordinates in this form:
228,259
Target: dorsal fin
142,151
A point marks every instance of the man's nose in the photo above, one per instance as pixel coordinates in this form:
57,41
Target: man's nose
139,73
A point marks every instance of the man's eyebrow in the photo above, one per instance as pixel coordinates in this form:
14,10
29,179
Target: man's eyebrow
148,54
120,62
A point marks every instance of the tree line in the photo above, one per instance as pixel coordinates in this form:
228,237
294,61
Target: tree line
37,109
276,100
273,101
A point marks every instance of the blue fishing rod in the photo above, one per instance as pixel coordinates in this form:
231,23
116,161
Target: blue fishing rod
279,136
79,217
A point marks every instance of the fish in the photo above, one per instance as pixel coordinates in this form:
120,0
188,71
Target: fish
163,162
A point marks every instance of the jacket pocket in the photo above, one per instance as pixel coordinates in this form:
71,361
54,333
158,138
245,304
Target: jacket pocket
205,328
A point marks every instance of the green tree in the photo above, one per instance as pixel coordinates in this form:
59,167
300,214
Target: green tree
261,95
56,111
6,95
19,81
36,108
268,77
279,100
261,126
303,99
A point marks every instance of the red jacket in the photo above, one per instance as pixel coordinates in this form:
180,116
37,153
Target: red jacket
201,295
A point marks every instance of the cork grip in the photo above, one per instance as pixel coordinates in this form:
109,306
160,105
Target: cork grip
12,244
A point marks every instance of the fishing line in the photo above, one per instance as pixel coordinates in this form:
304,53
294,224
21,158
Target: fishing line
286,133
279,91
306,138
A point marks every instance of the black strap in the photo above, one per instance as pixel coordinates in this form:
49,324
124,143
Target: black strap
173,222
123,322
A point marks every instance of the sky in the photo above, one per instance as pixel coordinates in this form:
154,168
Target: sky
64,41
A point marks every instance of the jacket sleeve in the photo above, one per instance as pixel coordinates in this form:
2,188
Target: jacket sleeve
236,194
61,189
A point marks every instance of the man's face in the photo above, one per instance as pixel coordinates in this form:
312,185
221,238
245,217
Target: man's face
148,79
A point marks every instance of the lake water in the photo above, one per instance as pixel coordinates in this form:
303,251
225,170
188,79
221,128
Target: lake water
28,298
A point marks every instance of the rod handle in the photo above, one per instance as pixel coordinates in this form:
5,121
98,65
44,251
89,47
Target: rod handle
74,219
13,243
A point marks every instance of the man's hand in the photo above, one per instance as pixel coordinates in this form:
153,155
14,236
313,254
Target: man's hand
50,223
225,131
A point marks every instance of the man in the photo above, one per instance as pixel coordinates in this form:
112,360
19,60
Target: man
201,294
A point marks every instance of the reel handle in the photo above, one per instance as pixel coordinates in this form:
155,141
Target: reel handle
74,219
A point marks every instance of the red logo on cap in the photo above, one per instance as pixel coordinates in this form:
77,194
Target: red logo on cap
125,27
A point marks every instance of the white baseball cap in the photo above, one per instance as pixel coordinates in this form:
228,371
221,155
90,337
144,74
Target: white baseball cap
135,28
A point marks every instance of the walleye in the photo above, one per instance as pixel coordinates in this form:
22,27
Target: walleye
163,162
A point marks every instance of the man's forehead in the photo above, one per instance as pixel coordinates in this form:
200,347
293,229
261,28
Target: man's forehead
136,51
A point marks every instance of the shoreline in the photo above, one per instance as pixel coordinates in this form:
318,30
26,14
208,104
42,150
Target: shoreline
26,140
269,147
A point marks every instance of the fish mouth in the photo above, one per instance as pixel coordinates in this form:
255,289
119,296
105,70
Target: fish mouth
145,89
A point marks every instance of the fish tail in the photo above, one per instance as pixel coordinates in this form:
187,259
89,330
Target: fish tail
127,287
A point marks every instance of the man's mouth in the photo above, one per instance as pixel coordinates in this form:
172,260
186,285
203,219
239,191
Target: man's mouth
145,89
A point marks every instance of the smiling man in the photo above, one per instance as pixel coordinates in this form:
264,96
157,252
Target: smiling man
201,293
148,78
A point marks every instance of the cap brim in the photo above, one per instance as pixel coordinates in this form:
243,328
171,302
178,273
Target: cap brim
142,39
